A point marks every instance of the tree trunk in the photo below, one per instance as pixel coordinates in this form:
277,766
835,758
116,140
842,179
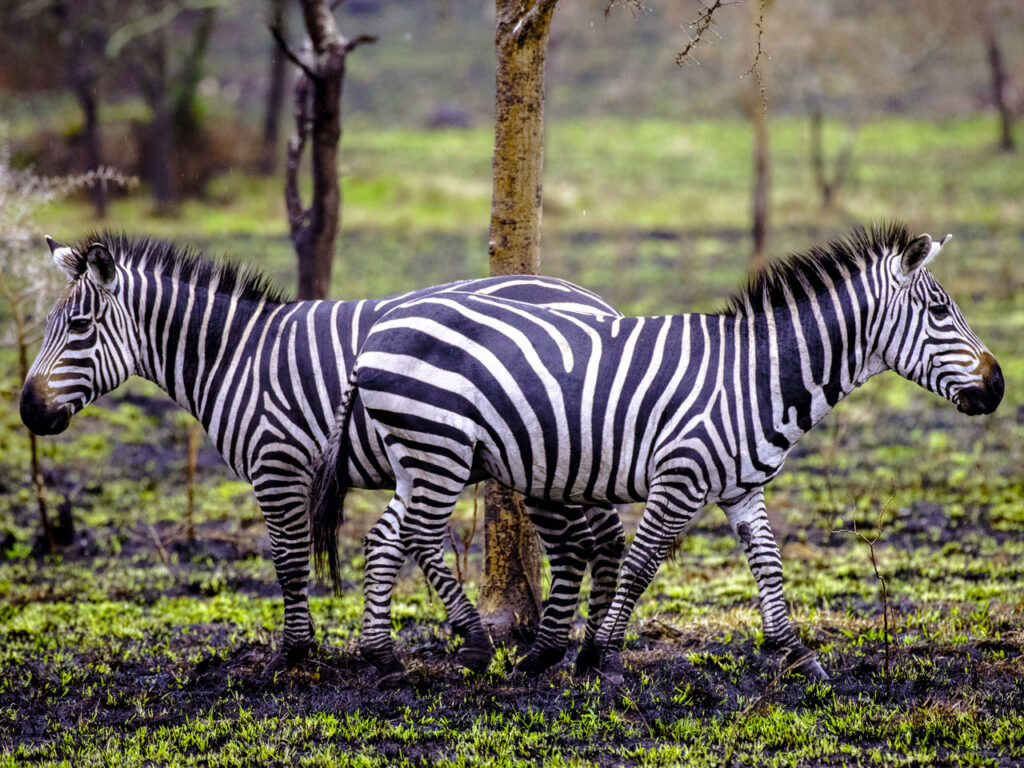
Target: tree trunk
999,87
153,81
817,147
275,94
83,44
318,113
510,598
86,93
185,109
762,182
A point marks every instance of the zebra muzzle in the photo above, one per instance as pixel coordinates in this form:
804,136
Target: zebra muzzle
38,414
985,397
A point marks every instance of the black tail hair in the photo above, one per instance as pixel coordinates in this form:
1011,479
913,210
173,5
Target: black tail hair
327,489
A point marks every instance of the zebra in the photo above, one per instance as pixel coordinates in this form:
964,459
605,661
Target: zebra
264,376
679,411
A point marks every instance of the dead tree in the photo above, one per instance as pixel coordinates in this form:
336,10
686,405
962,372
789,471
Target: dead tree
510,597
318,89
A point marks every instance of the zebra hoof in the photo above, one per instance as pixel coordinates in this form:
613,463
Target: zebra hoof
390,672
587,661
392,680
806,664
285,659
537,661
474,658
610,669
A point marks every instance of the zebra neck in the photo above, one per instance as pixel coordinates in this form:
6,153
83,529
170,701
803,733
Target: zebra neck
194,341
798,361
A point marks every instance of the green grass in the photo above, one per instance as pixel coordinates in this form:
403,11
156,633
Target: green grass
138,647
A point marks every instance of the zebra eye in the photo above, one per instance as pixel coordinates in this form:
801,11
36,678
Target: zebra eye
80,323
939,311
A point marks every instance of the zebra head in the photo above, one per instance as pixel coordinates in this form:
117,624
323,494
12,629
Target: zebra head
87,350
926,339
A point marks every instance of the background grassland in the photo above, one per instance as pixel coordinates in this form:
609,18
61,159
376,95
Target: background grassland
138,646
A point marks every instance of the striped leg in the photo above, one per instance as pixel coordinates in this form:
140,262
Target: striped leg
749,522
385,555
288,526
423,532
565,533
416,528
609,543
663,520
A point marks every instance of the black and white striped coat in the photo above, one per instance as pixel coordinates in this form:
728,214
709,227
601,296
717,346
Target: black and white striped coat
678,411
263,374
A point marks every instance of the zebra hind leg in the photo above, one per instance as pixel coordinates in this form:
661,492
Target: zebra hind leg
609,544
423,531
749,522
565,533
385,555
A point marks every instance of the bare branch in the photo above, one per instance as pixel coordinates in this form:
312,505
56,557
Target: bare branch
755,67
292,56
699,26
351,45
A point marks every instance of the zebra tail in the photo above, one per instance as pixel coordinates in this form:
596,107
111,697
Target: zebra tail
327,489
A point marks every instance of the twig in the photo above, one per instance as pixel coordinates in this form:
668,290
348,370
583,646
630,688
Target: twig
455,548
883,585
355,42
699,26
162,552
755,67
292,56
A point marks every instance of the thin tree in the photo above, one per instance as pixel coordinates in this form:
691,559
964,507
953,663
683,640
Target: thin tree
1000,78
168,67
275,92
756,102
510,597
318,90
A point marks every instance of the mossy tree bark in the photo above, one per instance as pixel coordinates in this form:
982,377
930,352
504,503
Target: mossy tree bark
510,598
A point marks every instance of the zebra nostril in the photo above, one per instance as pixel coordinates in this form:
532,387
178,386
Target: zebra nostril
994,382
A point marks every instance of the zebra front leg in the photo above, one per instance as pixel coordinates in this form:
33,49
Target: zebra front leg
609,544
749,521
385,555
565,534
663,520
288,528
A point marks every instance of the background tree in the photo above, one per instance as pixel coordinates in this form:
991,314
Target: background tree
165,46
510,598
990,14
755,103
318,92
275,91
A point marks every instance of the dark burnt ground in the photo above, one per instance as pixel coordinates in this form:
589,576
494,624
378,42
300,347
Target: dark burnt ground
139,646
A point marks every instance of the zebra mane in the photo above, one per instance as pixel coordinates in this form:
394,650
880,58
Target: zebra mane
815,267
187,264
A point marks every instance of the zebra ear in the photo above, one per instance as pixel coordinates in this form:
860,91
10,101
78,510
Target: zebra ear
65,257
920,252
102,269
